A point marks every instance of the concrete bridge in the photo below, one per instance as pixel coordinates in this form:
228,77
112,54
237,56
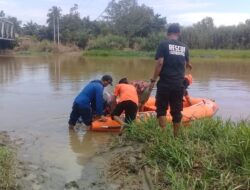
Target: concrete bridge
6,30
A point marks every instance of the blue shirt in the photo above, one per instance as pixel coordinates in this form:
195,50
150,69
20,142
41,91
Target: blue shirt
92,94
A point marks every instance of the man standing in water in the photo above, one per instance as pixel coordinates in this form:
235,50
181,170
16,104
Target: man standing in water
171,60
91,95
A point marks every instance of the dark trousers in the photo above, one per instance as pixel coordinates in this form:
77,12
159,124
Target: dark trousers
172,97
130,109
84,113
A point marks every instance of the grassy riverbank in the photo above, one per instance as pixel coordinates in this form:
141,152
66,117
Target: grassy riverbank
50,49
6,168
118,53
222,53
210,154
195,53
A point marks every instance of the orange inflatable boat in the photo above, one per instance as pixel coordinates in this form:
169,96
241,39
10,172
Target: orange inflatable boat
200,108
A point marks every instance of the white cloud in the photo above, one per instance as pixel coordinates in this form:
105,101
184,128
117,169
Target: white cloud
219,18
54,1
173,5
3,2
36,15
186,12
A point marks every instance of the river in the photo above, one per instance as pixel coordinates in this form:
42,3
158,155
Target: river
36,95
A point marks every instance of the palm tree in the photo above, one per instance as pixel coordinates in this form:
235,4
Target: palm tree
53,16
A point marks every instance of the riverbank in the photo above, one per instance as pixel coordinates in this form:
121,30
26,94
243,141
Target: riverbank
118,53
209,154
195,53
17,174
30,46
7,162
12,53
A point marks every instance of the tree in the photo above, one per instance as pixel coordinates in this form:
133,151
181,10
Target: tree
71,25
33,29
204,30
130,19
200,35
2,14
53,16
74,10
30,28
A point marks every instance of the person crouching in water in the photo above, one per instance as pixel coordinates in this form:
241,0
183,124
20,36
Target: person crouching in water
91,95
127,102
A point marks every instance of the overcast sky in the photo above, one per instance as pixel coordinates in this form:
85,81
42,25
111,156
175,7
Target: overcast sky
186,12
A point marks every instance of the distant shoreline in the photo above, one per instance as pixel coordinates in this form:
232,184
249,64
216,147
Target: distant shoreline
194,53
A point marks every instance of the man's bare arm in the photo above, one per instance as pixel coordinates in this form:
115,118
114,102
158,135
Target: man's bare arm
157,70
188,66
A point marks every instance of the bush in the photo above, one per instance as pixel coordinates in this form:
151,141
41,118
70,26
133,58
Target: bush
82,40
108,42
44,46
149,43
139,43
25,43
31,45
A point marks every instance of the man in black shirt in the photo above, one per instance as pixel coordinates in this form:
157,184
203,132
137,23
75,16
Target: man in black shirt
171,60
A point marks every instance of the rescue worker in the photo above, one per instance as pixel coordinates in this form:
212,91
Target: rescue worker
127,98
172,58
92,94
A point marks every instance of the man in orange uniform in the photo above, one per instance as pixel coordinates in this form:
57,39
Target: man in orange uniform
127,102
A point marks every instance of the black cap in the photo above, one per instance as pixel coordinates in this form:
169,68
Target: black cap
174,28
107,78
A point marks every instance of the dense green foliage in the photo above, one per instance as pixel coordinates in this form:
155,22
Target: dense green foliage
133,23
6,168
204,35
130,19
209,154
108,42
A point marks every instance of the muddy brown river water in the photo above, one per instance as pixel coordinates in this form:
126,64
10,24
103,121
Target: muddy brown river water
36,95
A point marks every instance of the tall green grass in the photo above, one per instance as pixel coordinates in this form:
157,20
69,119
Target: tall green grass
6,169
221,53
209,154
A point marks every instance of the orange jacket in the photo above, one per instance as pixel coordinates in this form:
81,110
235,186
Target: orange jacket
126,92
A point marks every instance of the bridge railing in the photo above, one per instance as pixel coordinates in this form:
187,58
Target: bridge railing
6,29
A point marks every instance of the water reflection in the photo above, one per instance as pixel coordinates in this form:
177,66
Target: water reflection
81,69
75,69
86,144
64,77
9,70
205,71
